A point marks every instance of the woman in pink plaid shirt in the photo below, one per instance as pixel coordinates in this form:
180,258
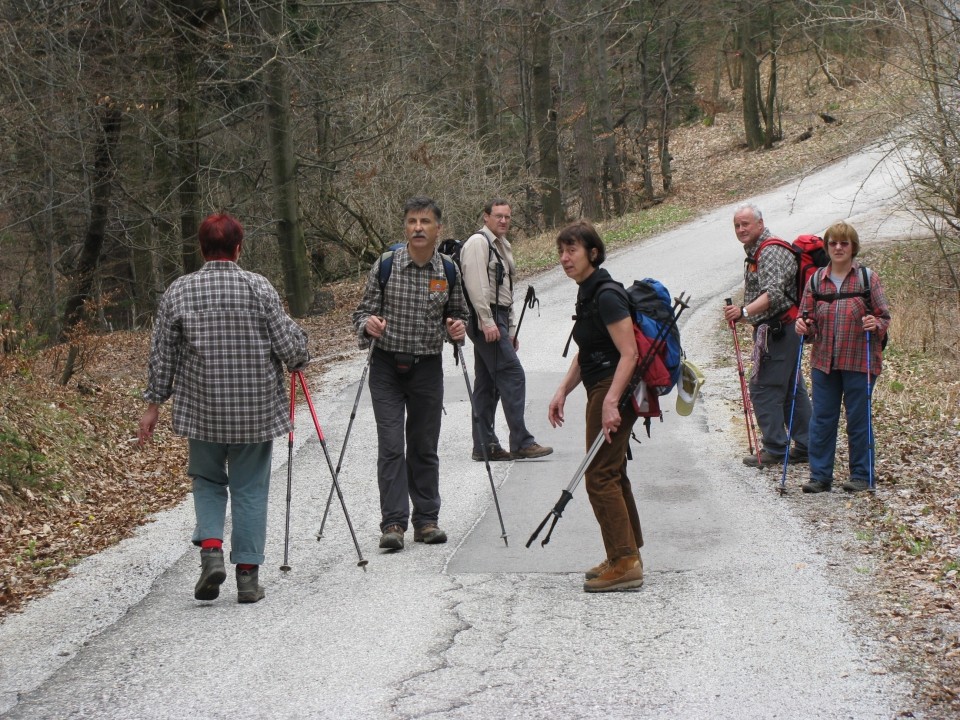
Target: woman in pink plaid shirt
842,303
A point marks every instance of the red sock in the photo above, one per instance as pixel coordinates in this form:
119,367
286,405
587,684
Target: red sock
244,567
211,544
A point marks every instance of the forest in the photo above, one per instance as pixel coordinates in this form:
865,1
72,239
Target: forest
125,122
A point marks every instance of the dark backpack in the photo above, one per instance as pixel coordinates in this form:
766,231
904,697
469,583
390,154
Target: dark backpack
386,268
651,309
810,254
864,293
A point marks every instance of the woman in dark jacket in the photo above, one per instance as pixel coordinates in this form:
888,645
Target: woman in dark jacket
605,362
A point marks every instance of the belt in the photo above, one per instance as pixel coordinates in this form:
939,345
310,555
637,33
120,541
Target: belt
407,357
505,308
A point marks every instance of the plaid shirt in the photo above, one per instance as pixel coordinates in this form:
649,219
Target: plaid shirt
218,343
839,340
773,271
415,303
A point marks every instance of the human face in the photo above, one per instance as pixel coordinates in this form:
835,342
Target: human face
421,230
747,227
575,262
840,251
498,220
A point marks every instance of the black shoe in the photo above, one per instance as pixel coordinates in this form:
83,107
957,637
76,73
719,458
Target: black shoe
429,534
816,486
495,453
767,459
856,485
212,574
392,538
248,586
798,457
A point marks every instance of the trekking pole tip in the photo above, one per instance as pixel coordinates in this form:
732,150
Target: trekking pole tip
363,564
285,568
505,541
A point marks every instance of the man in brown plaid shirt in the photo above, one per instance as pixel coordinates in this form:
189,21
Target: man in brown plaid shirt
409,316
220,341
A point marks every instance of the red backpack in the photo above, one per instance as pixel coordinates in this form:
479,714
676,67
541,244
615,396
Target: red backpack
810,254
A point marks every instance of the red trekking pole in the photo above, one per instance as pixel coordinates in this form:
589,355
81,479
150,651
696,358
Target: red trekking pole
747,405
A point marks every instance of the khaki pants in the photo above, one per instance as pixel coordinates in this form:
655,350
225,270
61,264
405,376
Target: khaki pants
608,486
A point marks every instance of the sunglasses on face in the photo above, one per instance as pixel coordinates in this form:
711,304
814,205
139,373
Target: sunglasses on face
839,243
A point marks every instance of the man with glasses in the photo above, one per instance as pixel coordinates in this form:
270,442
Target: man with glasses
486,260
769,275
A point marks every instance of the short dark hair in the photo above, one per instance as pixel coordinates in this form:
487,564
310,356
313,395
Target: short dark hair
488,208
220,235
422,202
585,234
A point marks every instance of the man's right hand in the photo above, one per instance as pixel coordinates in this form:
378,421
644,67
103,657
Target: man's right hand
375,326
491,333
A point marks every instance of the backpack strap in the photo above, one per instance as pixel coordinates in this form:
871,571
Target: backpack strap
864,291
385,269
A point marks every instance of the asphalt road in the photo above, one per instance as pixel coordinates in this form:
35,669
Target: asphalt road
738,617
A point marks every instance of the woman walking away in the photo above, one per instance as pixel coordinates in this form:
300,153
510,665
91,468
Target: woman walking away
604,364
846,313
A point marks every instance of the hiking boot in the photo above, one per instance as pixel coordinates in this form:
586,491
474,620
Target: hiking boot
429,535
597,570
212,574
624,573
248,586
798,457
856,485
392,538
532,451
816,486
767,459
495,453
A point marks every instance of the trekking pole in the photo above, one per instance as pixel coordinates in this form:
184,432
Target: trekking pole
286,530
336,483
752,443
793,405
566,495
343,448
483,445
529,301
870,479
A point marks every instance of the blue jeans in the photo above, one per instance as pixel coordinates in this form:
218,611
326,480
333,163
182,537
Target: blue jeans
408,407
498,375
828,391
245,469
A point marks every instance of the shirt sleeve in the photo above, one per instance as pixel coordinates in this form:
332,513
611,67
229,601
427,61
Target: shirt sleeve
369,305
476,278
777,270
164,350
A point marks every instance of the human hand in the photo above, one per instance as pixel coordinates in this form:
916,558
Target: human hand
491,333
148,423
375,326
870,323
555,410
456,329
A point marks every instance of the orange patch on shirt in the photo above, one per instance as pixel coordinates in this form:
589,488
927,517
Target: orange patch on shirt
438,285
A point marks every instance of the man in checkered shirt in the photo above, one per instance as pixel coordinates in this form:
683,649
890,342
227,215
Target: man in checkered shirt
220,341
769,275
408,317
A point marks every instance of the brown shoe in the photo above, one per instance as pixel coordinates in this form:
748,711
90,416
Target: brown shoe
249,589
392,538
624,573
597,570
767,460
532,451
495,453
429,535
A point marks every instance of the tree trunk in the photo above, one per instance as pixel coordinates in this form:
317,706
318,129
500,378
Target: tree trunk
749,64
666,98
104,171
613,173
576,65
188,157
545,116
283,164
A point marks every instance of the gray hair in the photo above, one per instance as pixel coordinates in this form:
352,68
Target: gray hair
751,207
422,202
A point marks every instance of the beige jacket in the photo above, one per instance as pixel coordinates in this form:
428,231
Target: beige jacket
479,267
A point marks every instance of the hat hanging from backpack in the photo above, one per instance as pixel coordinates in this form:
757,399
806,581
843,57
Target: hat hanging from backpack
688,389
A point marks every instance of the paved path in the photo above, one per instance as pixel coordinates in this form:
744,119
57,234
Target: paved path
738,617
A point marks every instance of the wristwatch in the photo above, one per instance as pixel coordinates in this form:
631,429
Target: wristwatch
744,313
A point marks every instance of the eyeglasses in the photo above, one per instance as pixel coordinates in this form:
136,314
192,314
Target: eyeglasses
839,243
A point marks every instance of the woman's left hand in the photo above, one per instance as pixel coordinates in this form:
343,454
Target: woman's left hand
870,323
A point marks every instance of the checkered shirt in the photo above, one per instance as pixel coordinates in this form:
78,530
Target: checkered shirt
220,340
415,302
775,273
839,340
